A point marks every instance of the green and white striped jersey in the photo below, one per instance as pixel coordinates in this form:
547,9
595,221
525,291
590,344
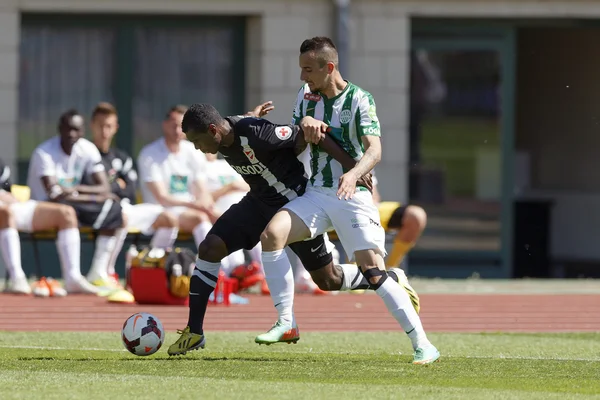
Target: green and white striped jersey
350,115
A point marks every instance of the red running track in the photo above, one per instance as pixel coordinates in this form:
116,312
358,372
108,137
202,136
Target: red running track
344,312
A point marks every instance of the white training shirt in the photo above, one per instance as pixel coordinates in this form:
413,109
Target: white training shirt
177,171
218,174
49,159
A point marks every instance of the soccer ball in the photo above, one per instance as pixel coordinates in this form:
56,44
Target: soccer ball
142,334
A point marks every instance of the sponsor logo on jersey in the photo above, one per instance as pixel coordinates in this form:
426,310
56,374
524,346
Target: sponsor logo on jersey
283,132
256,169
345,116
312,97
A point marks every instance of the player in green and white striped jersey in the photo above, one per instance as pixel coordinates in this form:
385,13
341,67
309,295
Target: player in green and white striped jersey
328,103
350,115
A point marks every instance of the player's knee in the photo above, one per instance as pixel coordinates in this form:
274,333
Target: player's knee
5,216
414,219
269,239
68,216
196,217
212,249
166,220
375,276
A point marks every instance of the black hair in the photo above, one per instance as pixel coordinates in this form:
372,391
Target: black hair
317,43
199,116
323,47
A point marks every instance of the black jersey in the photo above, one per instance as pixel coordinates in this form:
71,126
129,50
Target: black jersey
264,154
118,164
5,181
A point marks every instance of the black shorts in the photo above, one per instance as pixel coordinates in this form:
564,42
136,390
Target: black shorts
395,221
241,225
100,216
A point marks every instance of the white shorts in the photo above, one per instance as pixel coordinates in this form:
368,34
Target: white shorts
142,216
176,210
356,221
23,214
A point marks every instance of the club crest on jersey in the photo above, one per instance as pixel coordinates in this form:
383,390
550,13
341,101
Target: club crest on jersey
283,132
345,116
312,97
249,153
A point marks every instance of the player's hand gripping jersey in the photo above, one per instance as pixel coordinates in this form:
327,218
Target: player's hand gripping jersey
350,116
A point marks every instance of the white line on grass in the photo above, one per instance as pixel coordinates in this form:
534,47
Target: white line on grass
498,357
59,348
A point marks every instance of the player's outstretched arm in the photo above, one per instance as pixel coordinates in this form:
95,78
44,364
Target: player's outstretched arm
261,110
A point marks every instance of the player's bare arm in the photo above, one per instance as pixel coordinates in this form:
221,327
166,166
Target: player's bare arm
160,193
101,186
331,147
372,156
261,110
236,186
314,130
204,200
56,192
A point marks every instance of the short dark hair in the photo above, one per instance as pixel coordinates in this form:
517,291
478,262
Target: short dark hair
65,118
199,116
316,43
179,109
322,45
105,109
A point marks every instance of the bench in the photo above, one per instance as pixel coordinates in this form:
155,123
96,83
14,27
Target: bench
23,193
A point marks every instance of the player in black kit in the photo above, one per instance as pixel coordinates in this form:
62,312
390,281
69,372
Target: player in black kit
265,154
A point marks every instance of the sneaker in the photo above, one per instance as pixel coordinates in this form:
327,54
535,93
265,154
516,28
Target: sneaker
188,341
426,355
399,276
305,284
279,333
18,286
80,285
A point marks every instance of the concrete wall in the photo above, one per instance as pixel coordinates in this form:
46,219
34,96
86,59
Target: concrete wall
380,38
558,124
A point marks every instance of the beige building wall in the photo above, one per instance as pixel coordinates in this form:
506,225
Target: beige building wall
380,37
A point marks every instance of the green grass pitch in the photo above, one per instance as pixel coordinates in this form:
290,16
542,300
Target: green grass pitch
40,365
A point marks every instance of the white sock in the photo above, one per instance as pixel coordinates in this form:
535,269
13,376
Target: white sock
399,305
200,232
104,248
120,235
256,254
164,238
280,279
352,277
11,252
68,244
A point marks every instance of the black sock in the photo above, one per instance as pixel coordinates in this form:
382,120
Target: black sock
198,303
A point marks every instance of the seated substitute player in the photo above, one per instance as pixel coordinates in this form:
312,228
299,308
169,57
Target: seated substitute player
172,175
150,219
56,173
35,216
265,154
408,221
328,103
